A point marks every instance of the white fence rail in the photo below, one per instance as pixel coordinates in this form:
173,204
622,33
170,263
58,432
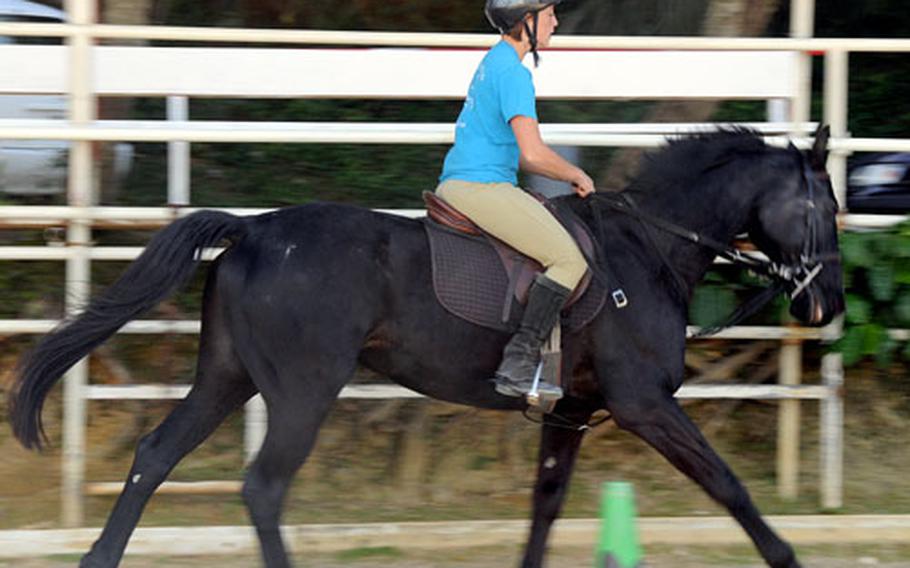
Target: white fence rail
399,73
449,40
90,71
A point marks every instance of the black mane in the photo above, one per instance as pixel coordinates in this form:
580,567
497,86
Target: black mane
685,158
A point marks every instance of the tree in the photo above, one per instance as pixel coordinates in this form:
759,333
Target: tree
127,12
721,18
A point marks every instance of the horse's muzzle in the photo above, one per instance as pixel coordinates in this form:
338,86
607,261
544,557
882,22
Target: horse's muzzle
822,300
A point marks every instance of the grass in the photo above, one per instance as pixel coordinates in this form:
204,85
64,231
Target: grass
74,558
386,552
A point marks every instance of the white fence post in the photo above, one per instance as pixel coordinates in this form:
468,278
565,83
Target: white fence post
788,416
178,155
836,91
832,433
82,111
802,25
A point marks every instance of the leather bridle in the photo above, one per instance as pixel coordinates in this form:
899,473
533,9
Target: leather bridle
794,277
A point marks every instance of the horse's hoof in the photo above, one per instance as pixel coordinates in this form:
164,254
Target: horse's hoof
92,561
789,562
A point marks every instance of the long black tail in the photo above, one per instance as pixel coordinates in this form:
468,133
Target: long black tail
166,264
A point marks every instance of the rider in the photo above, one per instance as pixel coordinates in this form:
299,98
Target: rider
496,131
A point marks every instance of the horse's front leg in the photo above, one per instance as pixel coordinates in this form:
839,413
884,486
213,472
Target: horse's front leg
657,418
556,461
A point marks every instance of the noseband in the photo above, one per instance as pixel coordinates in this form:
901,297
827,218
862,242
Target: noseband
795,277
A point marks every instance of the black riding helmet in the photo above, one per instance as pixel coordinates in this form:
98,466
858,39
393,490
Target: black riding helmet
504,14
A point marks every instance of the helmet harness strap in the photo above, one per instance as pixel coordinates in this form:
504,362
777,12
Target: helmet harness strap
532,37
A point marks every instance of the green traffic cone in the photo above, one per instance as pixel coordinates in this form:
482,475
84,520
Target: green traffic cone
618,545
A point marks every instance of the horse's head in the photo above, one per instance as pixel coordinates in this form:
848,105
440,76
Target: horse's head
795,224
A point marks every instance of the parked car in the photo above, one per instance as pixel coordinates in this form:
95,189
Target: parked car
38,167
31,167
879,183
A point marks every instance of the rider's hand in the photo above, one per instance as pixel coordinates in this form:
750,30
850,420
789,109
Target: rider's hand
583,184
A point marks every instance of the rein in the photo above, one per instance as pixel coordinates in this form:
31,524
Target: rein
796,276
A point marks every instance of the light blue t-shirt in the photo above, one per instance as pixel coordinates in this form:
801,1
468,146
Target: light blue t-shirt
485,149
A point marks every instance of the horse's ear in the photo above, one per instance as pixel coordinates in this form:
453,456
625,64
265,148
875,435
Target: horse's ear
818,156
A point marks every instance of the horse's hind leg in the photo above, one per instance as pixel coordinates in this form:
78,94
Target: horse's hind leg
661,422
292,428
299,388
222,386
556,461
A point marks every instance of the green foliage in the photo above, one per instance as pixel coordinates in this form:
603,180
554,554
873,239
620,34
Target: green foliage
371,175
879,82
369,552
877,282
725,288
712,301
30,289
741,111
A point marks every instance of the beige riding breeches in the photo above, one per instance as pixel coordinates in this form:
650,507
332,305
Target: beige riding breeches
513,216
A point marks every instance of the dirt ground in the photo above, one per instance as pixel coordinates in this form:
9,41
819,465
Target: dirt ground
567,557
420,461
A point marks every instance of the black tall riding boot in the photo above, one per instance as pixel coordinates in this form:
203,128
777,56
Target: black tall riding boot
521,355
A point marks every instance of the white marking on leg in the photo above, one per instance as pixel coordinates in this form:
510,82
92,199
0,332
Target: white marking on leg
550,462
137,477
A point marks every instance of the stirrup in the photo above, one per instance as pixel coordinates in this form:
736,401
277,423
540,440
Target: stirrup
539,399
532,392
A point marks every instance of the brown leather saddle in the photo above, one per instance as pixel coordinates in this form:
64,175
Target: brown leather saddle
485,281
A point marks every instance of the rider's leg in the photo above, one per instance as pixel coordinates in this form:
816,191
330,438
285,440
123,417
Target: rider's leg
515,217
521,356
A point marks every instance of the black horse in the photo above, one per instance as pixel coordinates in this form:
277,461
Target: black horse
304,294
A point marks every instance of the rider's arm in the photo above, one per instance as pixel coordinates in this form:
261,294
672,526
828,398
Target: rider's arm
538,158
